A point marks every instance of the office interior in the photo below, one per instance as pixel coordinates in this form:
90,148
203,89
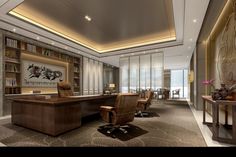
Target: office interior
108,73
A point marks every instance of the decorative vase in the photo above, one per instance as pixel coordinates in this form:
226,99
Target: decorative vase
221,94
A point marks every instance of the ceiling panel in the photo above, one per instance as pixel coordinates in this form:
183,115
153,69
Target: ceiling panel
115,24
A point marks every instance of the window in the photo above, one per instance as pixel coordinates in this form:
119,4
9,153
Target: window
179,80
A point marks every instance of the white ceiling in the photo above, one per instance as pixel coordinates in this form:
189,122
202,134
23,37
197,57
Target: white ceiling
177,54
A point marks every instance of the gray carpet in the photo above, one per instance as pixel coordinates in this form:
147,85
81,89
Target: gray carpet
168,125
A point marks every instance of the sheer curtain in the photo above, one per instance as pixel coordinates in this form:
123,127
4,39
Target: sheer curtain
134,73
141,72
157,71
124,75
145,79
92,76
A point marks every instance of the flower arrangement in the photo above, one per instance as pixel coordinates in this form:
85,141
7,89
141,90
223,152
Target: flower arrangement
209,82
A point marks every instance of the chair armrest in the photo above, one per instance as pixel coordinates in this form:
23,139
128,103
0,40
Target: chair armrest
107,108
106,113
142,101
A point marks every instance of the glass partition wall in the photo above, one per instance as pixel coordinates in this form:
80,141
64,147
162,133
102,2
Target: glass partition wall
141,72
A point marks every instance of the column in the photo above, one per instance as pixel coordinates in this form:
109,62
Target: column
1,74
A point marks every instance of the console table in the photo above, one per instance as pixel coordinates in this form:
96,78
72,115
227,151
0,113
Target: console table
216,126
54,116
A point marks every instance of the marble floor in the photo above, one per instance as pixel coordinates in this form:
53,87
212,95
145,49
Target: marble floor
207,134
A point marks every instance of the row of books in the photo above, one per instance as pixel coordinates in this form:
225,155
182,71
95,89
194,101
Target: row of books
11,68
11,82
31,48
12,43
12,91
11,54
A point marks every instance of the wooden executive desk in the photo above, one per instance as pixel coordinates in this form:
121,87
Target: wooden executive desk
56,115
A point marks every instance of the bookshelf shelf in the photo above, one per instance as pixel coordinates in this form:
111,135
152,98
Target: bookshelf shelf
12,86
17,72
12,61
14,48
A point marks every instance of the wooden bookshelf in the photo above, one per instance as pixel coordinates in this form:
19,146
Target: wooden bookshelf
12,62
12,66
77,66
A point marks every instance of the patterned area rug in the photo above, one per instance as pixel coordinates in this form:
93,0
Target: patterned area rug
171,125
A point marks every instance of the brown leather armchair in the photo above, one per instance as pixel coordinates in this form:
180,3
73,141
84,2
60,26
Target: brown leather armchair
144,103
64,89
122,112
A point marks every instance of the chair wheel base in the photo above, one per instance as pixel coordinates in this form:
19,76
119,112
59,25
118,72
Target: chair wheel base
111,129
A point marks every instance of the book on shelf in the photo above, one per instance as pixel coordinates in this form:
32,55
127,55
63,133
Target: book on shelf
12,43
11,82
11,54
11,68
31,48
47,52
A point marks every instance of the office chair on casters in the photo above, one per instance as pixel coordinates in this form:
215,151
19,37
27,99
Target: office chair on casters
143,104
64,89
119,115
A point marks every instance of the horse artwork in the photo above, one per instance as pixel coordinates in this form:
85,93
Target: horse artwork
41,75
226,59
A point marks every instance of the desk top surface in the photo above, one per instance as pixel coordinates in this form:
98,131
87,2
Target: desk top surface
54,100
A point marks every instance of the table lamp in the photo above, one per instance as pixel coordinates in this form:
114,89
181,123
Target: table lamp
111,86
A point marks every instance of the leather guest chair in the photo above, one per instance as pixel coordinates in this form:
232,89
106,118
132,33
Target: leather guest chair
64,89
144,103
119,115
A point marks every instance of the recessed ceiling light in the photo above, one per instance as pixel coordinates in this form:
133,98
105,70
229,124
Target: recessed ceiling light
187,56
195,20
14,30
132,54
88,18
191,39
144,52
52,43
37,38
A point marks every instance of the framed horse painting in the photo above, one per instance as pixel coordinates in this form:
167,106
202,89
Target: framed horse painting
36,74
